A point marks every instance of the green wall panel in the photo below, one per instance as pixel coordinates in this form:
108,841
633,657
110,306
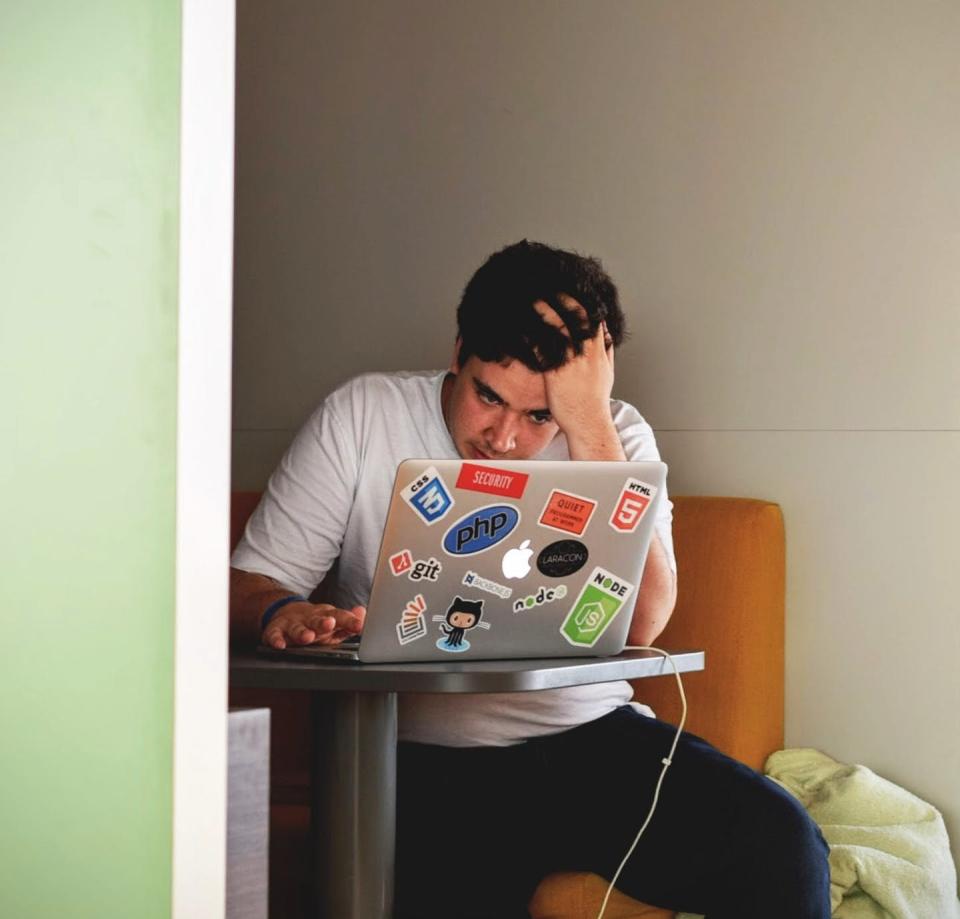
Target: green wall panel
89,133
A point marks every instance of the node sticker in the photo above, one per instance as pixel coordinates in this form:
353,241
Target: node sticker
634,500
599,602
428,496
543,595
567,512
413,623
503,482
472,579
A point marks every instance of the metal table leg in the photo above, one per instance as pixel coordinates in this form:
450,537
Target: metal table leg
354,811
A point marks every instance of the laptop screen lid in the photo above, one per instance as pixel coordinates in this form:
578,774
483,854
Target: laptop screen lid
505,559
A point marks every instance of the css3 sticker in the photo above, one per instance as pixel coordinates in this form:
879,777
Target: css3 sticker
428,496
633,503
599,602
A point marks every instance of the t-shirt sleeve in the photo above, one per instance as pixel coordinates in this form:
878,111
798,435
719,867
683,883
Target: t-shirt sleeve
295,534
639,443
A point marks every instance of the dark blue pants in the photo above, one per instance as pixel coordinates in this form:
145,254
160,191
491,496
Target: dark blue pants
479,827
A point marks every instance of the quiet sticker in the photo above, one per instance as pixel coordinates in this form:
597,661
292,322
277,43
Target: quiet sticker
567,512
635,498
503,482
602,597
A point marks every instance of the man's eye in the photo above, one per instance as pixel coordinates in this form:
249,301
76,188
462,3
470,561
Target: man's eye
540,417
487,398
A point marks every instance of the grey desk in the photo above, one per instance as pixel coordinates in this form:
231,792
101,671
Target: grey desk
355,749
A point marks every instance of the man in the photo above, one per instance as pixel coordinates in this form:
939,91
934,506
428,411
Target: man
497,790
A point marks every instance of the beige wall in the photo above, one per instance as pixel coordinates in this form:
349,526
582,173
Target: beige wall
776,189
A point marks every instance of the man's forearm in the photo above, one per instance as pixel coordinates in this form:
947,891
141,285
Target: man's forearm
656,598
250,595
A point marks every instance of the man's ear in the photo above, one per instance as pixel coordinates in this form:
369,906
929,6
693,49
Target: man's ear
455,357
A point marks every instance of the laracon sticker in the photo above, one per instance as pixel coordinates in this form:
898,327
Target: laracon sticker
413,623
635,498
428,496
503,482
401,563
567,512
563,557
472,579
462,616
481,529
602,597
543,595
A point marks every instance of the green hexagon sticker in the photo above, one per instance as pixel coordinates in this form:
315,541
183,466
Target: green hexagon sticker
602,597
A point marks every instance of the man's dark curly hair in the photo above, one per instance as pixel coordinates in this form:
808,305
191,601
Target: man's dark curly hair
496,319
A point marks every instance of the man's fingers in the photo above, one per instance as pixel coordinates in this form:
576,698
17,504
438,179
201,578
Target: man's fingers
551,317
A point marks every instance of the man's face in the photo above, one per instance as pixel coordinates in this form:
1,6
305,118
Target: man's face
497,411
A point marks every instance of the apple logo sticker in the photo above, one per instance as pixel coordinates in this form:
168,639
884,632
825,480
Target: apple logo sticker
516,562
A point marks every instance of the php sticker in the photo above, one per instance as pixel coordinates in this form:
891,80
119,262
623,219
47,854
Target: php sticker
428,496
563,557
401,563
634,500
567,512
599,602
503,482
481,529
413,623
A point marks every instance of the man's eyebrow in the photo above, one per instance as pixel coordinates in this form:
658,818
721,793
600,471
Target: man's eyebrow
491,393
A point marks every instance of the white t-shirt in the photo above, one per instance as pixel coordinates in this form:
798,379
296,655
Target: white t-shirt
328,499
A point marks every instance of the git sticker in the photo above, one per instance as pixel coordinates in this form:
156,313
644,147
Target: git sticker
567,513
635,498
401,563
428,496
599,602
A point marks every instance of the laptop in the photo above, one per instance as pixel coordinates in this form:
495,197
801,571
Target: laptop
506,560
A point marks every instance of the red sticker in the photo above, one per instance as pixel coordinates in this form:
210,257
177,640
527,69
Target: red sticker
567,513
401,562
492,481
634,501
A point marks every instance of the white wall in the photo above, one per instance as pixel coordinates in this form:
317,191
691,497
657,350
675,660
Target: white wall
776,189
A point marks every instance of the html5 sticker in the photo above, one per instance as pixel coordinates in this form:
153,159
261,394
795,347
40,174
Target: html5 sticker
401,563
428,496
567,512
491,481
634,500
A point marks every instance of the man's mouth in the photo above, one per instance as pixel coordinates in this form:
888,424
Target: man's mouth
479,454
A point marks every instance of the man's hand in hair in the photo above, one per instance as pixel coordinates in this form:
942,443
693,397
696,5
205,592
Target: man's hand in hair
578,392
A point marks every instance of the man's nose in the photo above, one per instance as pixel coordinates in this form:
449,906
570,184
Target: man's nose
502,434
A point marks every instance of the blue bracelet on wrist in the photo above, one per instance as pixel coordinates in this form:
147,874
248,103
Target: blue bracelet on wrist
278,605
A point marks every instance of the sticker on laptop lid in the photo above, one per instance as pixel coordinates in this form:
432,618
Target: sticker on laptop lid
472,579
634,500
401,562
516,562
428,496
461,616
481,529
492,481
598,604
543,595
567,512
413,622
563,557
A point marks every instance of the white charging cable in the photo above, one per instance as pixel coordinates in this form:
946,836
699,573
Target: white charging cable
667,760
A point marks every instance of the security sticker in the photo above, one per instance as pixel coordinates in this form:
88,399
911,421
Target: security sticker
599,602
634,500
503,482
413,623
428,496
567,512
401,563
543,595
472,579
461,616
